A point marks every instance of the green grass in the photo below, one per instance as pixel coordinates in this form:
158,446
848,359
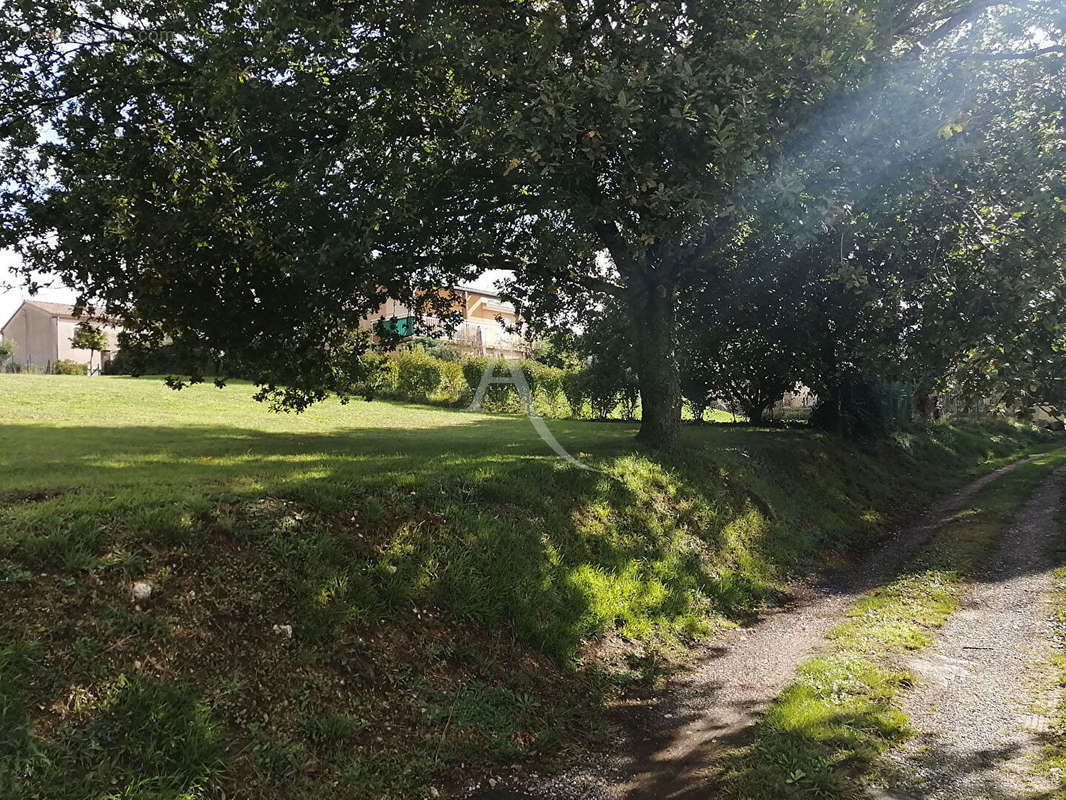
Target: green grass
450,584
824,733
1054,755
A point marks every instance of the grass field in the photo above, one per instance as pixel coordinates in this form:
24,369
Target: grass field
459,599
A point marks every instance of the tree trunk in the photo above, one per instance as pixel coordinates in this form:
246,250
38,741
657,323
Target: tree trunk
756,416
924,404
652,321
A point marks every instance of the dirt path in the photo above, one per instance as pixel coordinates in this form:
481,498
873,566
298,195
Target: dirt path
973,708
669,740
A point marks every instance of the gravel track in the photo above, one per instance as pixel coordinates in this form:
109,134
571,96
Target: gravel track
669,740
977,704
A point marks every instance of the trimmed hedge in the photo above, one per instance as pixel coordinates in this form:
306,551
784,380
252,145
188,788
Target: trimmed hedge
64,367
418,376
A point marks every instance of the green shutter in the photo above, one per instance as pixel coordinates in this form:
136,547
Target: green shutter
397,326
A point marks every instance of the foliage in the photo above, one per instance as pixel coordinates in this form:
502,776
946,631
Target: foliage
416,374
557,350
65,367
575,384
7,350
376,375
546,379
863,407
697,385
498,396
88,337
604,385
165,359
453,388
231,195
438,348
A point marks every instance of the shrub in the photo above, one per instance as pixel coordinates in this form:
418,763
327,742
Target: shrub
575,388
863,407
416,374
438,348
375,378
472,368
65,367
498,396
166,359
604,382
453,388
547,386
629,396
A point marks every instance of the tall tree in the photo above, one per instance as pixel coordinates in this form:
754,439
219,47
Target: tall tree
252,178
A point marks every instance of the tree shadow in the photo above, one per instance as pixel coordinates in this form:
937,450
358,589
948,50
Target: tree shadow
478,517
474,516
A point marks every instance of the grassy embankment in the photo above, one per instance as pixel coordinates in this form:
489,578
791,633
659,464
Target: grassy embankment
448,581
1054,760
824,733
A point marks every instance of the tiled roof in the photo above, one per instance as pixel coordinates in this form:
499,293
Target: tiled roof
55,309
61,310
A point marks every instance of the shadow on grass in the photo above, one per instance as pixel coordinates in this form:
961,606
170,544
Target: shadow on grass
352,535
381,548
476,517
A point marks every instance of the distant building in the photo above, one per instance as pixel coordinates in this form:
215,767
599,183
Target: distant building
42,331
481,331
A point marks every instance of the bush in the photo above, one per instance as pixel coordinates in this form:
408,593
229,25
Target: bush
863,407
65,367
547,385
416,374
438,348
629,397
165,359
498,396
453,388
375,378
575,389
604,383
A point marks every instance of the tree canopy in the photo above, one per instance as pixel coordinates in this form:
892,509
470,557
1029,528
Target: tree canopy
250,180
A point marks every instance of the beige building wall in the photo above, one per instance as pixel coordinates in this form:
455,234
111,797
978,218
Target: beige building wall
34,333
65,329
42,332
480,333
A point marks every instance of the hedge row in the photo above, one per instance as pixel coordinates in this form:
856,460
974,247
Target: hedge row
61,367
416,376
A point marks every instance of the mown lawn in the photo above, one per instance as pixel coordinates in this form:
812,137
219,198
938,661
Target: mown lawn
449,583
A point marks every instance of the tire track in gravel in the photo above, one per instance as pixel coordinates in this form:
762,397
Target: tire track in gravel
977,684
669,740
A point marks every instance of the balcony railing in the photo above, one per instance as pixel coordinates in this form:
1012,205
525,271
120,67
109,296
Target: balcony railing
485,337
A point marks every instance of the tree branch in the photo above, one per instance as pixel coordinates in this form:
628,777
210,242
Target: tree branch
1056,49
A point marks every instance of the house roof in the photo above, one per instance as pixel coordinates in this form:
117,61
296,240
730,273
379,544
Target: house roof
493,297
61,310
462,287
55,309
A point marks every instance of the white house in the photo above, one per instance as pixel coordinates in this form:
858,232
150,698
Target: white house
42,331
